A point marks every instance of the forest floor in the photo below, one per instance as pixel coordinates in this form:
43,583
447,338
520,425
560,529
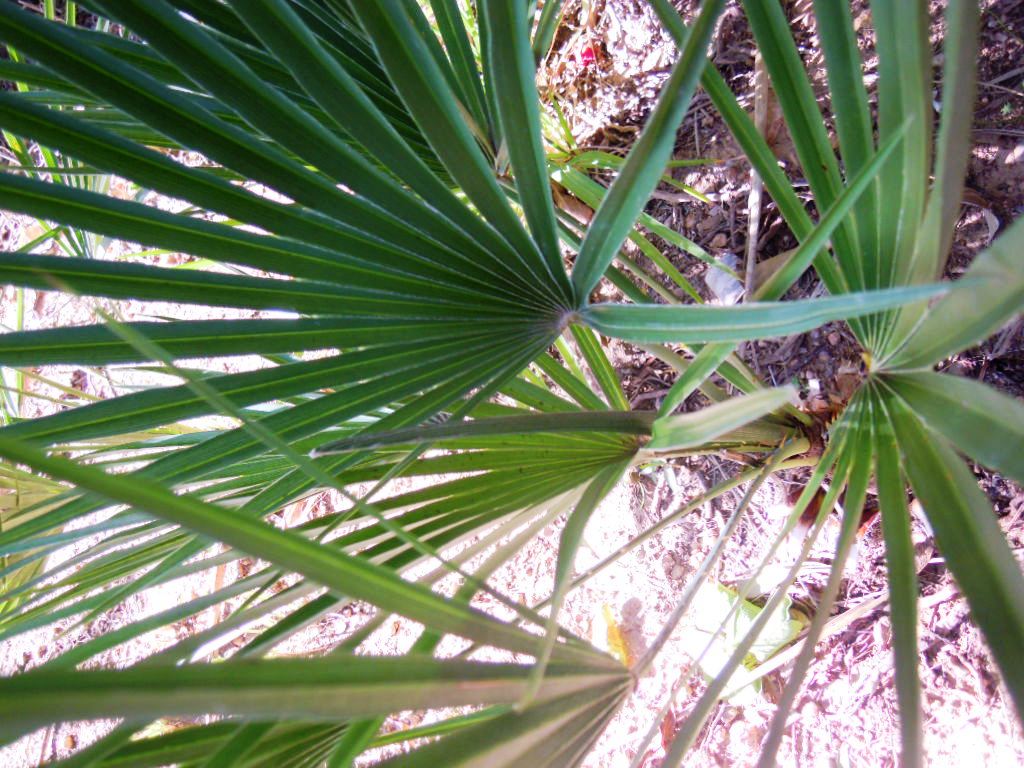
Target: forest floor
605,70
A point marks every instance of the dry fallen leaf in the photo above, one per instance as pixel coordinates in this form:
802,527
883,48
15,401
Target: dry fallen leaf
617,643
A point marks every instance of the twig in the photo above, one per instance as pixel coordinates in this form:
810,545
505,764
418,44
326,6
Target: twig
1000,131
696,133
1005,76
671,197
47,749
756,185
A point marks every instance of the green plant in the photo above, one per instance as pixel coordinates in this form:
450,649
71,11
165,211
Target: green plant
906,423
60,170
393,239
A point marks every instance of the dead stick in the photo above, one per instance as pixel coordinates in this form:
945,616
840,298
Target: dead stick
756,186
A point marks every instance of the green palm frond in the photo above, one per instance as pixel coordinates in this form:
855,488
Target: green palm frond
352,172
897,233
